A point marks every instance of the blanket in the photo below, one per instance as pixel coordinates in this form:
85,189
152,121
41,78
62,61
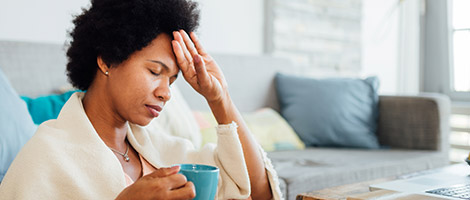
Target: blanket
66,159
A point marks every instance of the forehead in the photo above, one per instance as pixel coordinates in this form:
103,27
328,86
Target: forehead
159,51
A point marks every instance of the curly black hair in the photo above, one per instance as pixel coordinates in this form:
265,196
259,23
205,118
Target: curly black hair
114,29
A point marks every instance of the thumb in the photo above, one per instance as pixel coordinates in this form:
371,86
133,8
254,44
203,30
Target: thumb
163,172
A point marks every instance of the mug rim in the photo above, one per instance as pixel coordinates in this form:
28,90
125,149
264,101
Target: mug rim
212,168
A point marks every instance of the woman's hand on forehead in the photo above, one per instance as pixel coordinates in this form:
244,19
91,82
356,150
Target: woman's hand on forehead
198,68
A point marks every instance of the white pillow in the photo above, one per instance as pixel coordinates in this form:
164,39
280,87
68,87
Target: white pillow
177,119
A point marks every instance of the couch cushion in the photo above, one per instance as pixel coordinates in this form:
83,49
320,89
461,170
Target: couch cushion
16,125
44,65
340,112
46,107
317,168
271,131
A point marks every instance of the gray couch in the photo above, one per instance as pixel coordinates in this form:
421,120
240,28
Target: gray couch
414,128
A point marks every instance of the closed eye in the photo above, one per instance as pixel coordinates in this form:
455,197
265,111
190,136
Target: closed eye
153,73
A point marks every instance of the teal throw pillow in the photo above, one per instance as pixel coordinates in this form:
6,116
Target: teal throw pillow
16,125
46,107
333,112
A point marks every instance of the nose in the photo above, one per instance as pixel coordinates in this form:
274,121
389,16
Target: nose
162,91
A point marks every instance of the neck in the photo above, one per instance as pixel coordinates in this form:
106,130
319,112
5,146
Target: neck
109,125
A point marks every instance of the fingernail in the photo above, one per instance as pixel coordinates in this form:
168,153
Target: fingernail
176,167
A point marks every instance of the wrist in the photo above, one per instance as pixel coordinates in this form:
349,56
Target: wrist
221,101
223,109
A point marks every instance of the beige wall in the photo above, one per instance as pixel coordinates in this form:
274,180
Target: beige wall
380,42
229,26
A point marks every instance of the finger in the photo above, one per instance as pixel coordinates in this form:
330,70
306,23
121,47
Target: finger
187,55
188,191
164,172
201,72
174,181
189,43
183,64
180,58
197,44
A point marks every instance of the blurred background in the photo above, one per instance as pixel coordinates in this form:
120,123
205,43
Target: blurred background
413,46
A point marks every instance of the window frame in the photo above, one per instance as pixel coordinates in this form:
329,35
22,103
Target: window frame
437,51
448,81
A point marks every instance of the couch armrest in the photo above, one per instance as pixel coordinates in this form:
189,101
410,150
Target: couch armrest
414,122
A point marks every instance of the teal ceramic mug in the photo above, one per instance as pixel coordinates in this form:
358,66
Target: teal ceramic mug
204,177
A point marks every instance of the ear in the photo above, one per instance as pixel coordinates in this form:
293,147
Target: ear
102,65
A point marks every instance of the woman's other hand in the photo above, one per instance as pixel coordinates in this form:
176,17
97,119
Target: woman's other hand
205,76
199,69
165,183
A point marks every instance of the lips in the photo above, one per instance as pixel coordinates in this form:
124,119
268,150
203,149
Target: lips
154,110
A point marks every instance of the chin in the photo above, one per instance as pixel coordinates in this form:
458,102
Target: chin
142,122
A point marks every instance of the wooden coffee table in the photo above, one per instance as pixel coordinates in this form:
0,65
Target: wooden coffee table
341,192
360,190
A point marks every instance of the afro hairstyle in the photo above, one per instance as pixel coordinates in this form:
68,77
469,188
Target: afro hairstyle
114,29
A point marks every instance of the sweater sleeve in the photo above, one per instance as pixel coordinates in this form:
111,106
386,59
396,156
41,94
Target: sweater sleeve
235,181
228,155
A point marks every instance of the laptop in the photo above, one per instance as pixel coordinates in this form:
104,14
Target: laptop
452,182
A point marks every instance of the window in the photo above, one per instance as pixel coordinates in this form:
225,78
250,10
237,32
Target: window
459,79
460,59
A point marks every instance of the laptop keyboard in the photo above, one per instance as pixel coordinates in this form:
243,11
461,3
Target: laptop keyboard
456,191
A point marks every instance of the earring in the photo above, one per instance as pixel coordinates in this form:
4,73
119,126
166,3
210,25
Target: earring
106,73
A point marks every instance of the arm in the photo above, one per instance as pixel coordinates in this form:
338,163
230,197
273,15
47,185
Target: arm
204,75
225,112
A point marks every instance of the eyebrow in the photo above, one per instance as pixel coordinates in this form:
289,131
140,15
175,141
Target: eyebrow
163,65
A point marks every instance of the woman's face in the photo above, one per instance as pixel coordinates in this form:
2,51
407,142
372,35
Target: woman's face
140,86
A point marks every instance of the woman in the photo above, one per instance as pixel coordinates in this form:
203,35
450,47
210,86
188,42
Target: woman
126,54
